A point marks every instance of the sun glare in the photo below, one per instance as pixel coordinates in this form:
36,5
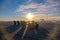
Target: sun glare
29,16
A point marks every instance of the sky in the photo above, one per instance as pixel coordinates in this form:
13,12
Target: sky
17,9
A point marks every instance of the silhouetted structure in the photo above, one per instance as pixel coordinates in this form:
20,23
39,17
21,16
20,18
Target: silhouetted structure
33,25
23,23
14,22
37,26
42,21
18,23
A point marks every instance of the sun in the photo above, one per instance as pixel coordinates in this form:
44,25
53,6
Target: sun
29,16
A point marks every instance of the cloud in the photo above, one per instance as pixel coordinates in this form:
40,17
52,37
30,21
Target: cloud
34,6
54,6
48,7
55,18
29,0
23,7
37,7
